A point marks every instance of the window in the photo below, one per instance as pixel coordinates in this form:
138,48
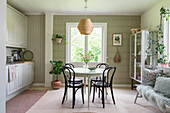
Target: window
166,37
96,42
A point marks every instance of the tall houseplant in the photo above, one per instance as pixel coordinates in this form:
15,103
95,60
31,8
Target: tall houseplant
57,70
160,47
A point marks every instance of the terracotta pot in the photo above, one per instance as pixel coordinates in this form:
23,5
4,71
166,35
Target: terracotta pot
58,40
56,84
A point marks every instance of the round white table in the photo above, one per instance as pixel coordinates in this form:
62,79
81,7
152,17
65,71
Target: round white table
85,72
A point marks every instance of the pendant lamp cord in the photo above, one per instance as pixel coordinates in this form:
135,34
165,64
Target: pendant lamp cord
85,7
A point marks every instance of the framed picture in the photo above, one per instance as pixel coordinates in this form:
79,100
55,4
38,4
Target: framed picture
117,39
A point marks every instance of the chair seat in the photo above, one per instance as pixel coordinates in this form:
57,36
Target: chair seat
76,80
78,85
100,84
96,79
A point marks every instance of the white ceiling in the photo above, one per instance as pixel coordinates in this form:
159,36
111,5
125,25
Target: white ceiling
76,7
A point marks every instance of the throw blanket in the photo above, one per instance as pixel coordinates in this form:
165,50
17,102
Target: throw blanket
156,98
11,73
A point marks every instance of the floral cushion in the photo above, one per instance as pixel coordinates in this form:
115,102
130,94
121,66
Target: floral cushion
149,76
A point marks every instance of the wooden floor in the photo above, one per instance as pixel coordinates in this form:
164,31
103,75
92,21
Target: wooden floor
51,103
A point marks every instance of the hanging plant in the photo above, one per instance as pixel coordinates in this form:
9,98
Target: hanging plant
160,47
58,38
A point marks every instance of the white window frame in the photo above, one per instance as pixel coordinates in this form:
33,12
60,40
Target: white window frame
104,40
166,37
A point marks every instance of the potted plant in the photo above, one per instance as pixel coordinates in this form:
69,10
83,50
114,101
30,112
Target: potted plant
160,47
58,38
57,70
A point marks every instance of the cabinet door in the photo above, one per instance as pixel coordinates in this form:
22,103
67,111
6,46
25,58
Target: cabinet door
13,86
18,33
25,74
20,77
30,72
24,33
17,29
11,39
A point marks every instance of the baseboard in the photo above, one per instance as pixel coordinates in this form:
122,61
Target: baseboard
17,92
38,84
122,85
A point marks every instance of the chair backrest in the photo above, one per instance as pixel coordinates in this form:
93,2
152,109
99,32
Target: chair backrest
101,65
69,65
106,72
70,72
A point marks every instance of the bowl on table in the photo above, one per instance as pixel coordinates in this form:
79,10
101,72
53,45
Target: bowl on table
92,68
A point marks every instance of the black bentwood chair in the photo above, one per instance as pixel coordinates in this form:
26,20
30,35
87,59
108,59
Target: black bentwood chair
105,84
98,79
75,86
70,78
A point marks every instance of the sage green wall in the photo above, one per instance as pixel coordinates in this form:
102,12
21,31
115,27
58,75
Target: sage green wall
115,24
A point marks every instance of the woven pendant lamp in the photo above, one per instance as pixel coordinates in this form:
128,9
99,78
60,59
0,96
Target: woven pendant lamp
85,26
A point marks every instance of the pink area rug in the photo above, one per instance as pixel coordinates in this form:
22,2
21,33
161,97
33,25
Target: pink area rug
24,101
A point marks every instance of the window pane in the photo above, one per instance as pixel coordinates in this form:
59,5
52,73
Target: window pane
95,43
77,44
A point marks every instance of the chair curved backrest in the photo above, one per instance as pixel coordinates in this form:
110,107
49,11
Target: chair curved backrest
106,72
69,65
102,64
70,72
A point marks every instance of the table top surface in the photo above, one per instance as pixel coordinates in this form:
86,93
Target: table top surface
87,71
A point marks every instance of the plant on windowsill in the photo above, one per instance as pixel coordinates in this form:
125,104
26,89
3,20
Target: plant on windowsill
57,70
58,38
160,47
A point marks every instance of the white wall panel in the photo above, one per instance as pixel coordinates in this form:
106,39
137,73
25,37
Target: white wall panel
2,55
36,43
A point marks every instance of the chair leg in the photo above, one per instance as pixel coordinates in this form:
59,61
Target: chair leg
65,91
93,93
82,92
136,97
73,98
90,86
112,95
103,101
99,93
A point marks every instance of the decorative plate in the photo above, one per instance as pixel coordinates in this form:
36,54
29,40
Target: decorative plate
28,55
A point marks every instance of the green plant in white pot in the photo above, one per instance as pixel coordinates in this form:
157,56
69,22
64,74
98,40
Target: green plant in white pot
58,38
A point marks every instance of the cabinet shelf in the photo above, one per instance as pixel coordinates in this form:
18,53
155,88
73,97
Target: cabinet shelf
141,40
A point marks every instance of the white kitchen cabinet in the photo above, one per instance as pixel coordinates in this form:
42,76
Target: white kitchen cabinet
20,76
16,28
13,86
24,77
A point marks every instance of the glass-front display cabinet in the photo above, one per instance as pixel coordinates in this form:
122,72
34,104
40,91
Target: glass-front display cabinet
142,53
